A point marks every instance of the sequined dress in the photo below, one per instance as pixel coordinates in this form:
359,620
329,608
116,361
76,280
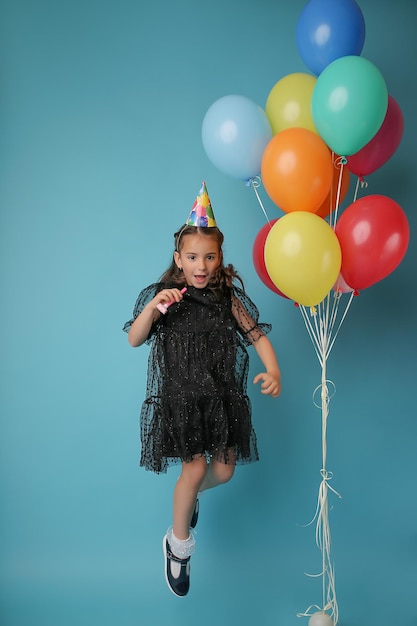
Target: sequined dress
196,394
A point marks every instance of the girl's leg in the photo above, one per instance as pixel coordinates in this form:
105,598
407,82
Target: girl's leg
197,476
185,495
178,543
219,472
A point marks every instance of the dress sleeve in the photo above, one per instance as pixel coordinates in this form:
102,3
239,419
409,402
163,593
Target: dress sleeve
246,315
143,299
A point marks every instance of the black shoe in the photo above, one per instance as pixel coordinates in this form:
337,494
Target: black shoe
177,571
194,518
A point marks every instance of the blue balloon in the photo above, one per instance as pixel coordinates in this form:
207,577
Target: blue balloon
328,30
235,133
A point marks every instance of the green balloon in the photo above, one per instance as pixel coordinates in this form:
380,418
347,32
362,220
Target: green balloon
349,104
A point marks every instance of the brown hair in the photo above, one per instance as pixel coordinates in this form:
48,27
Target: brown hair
224,275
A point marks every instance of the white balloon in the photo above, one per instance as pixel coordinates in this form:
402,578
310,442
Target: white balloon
320,619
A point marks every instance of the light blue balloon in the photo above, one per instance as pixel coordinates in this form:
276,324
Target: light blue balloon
349,103
235,133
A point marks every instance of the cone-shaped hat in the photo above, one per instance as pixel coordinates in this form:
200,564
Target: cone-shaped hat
202,212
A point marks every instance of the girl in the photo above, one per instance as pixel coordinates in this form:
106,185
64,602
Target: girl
196,410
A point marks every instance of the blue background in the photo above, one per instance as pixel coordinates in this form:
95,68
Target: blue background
101,157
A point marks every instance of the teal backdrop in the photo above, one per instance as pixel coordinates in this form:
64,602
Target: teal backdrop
102,103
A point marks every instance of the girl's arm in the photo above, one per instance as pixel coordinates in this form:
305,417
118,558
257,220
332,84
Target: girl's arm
272,377
140,328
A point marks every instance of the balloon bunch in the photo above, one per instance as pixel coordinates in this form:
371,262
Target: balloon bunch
316,130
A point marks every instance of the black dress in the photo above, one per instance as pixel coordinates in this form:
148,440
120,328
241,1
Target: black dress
196,396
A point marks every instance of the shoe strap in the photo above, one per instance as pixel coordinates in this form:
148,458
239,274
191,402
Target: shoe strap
177,559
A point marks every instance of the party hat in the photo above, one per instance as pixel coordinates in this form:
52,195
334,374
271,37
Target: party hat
202,212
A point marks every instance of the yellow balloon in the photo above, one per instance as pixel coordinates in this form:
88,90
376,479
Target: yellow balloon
303,257
289,103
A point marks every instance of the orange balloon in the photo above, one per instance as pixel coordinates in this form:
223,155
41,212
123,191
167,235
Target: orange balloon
330,202
297,170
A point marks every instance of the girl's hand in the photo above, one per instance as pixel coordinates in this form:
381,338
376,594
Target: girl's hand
139,331
271,385
166,296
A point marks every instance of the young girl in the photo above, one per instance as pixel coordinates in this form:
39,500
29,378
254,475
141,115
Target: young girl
196,410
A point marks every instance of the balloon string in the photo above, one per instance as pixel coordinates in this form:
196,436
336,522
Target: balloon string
355,195
325,320
341,321
323,535
308,612
310,331
359,182
340,162
254,183
323,323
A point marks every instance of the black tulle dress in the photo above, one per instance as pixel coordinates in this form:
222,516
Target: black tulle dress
196,395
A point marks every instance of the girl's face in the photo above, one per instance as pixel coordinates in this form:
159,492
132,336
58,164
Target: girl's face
199,257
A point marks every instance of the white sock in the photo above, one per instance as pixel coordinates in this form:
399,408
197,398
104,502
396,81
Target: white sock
182,548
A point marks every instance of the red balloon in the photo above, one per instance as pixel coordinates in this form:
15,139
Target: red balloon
258,255
382,146
373,233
